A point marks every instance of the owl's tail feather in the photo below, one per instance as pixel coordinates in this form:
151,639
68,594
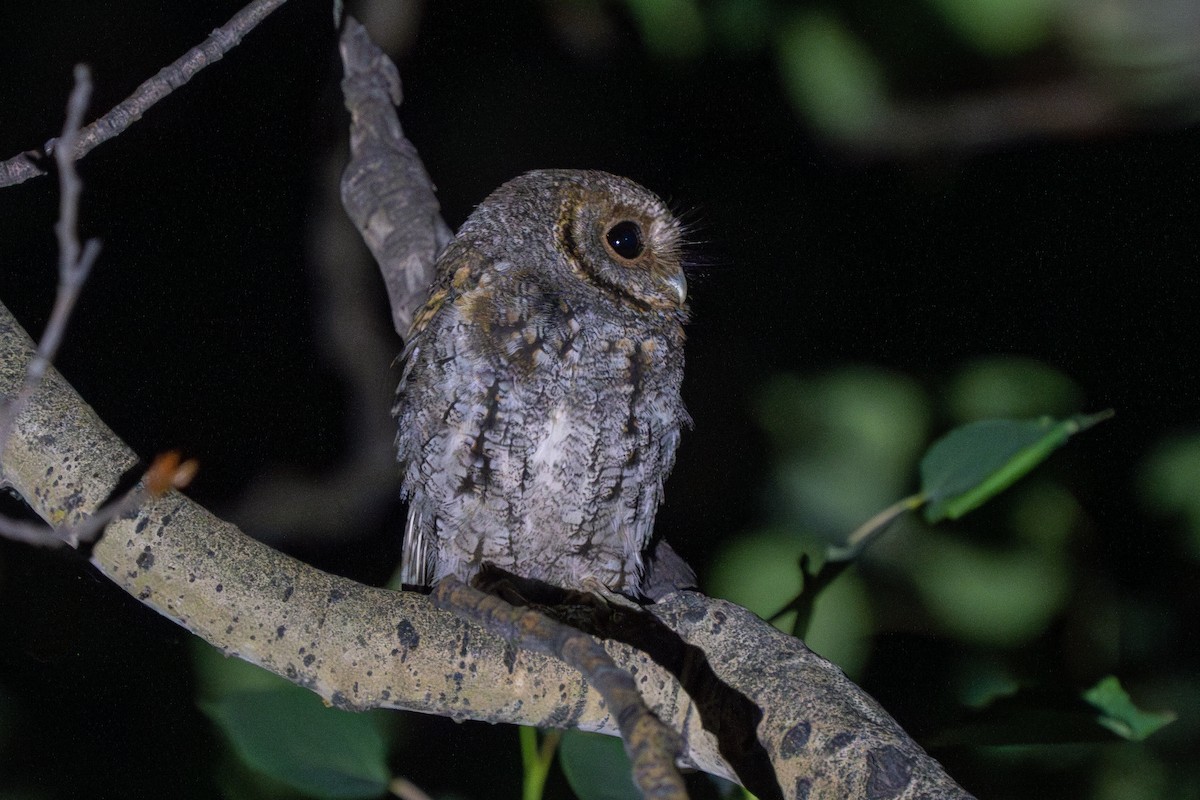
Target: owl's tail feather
414,557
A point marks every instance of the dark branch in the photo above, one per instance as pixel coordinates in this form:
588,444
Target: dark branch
23,166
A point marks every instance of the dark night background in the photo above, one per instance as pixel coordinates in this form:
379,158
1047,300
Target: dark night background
197,330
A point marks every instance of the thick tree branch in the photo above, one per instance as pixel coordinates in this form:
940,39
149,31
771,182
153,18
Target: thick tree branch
24,166
360,647
357,646
385,188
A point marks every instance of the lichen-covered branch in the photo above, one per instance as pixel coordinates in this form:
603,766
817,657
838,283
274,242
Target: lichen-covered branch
362,647
357,646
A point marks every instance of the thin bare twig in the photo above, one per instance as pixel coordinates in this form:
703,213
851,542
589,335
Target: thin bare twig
167,471
74,264
34,533
74,261
23,166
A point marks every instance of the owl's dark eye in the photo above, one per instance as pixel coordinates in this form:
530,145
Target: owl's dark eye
625,238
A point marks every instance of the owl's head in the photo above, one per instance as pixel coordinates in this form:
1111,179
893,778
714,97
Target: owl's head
604,230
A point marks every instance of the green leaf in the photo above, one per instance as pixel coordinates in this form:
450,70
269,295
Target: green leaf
289,735
1052,715
1000,27
970,465
670,28
832,77
596,767
1120,715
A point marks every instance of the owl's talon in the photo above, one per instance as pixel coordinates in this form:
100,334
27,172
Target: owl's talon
594,587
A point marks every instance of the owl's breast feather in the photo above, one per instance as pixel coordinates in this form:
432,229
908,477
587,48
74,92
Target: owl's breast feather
544,429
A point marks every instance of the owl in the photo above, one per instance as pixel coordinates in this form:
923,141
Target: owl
539,409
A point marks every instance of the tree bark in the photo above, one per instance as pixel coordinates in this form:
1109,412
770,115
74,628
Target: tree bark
361,647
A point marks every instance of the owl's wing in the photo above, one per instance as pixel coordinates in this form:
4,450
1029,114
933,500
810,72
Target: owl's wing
416,564
422,400
458,270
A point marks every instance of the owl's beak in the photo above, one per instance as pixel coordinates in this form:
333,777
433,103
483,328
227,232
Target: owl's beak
678,283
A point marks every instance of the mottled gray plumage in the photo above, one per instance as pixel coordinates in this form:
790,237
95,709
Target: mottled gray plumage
539,410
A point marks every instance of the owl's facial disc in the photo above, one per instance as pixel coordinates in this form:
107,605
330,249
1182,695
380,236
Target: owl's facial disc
626,243
629,250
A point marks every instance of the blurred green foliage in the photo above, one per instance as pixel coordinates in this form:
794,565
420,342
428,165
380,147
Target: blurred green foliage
1102,714
670,28
1012,387
1169,483
596,767
830,75
846,443
999,27
1003,582
285,740
996,597
850,68
741,26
